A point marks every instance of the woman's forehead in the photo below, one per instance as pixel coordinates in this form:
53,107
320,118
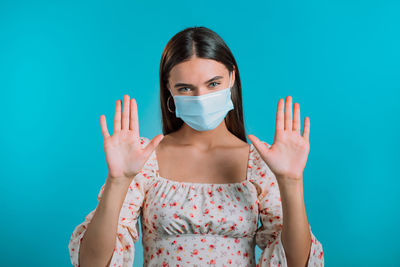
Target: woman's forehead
197,70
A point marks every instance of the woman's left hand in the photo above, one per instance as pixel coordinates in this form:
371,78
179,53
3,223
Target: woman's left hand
288,154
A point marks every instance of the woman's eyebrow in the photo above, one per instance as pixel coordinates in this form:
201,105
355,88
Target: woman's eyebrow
188,84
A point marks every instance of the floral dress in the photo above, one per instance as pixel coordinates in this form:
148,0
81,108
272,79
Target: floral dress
200,224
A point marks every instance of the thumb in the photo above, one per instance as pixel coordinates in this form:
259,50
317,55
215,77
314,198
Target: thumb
262,147
153,144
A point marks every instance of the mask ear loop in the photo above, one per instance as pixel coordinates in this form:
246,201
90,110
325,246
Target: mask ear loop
230,89
230,74
168,102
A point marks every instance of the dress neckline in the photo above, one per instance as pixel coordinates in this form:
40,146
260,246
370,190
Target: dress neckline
157,173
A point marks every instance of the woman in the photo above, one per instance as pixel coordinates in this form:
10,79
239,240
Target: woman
200,187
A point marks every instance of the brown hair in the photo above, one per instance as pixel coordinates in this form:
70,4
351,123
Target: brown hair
203,43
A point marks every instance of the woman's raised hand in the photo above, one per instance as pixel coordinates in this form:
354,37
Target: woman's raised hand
124,153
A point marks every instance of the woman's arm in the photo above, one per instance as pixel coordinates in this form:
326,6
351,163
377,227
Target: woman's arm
98,242
296,237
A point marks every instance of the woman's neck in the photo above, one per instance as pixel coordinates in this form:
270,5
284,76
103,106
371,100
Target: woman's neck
204,140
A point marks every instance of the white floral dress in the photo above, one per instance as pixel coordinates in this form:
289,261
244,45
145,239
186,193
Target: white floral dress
200,224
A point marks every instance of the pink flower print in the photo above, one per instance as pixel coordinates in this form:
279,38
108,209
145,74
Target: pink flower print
163,195
241,218
206,211
219,207
176,216
212,261
219,189
223,219
195,252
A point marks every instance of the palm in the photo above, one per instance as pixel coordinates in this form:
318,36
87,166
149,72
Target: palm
124,153
287,156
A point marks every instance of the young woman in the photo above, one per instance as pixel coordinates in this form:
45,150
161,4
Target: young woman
200,188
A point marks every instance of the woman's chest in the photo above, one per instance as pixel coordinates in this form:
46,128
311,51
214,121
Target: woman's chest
188,165
179,208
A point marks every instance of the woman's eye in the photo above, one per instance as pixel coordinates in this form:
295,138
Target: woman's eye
181,89
215,83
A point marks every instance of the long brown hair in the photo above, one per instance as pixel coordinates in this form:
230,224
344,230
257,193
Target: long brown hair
203,43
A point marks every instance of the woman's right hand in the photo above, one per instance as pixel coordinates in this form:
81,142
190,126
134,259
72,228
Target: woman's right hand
124,153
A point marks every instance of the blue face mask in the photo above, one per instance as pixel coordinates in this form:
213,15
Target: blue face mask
204,112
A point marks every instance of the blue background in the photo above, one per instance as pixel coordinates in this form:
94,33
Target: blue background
65,63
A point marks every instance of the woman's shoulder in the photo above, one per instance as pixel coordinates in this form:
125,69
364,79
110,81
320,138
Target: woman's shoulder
146,174
261,175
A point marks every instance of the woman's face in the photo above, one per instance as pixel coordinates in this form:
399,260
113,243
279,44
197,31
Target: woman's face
199,76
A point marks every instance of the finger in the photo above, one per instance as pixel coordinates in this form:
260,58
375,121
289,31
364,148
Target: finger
103,125
279,115
134,124
296,120
306,130
260,146
153,144
117,116
288,113
125,113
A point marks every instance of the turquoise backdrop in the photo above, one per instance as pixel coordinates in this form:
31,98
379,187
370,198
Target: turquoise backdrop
65,63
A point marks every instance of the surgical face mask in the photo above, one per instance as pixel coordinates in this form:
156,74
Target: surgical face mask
204,112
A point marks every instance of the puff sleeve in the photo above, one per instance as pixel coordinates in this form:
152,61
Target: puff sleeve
268,235
128,229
